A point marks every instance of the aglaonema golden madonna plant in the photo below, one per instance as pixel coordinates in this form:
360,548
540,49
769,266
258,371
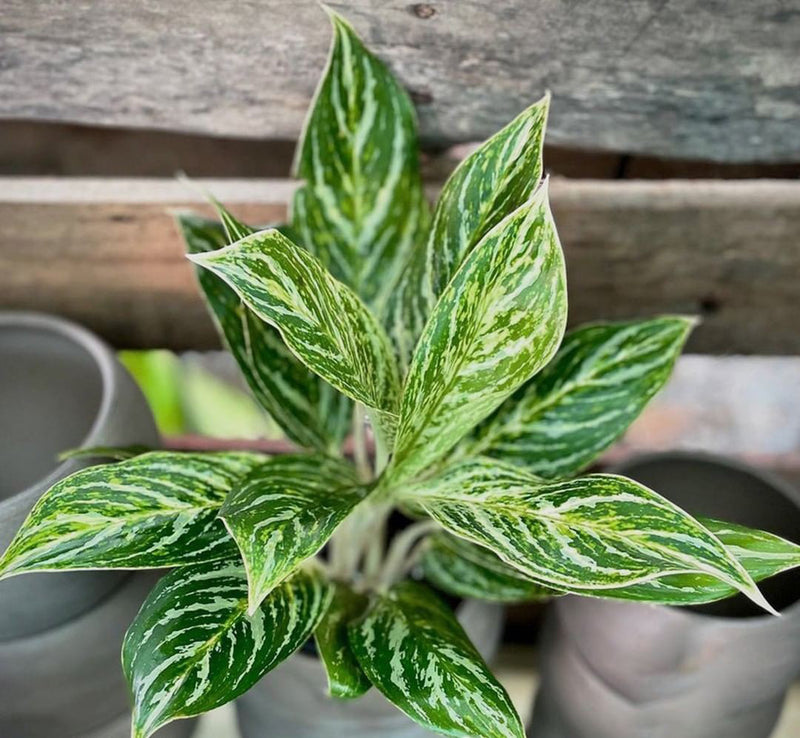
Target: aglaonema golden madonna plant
440,338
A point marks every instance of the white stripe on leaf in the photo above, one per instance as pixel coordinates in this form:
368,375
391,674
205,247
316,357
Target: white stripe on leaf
415,652
192,647
596,532
158,509
499,321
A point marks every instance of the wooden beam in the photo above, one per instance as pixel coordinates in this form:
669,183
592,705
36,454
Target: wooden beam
678,78
106,253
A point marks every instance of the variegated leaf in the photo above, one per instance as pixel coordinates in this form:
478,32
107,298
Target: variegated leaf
488,185
361,208
321,320
308,409
599,381
155,510
762,554
346,680
465,569
498,322
596,532
284,512
414,651
193,647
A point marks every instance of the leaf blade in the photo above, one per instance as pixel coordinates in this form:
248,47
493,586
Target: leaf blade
322,321
468,570
599,381
284,512
596,532
155,510
761,553
488,185
465,569
192,647
415,652
362,206
346,679
310,412
498,322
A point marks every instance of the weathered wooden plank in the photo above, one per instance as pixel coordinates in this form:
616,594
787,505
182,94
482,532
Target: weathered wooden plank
670,77
105,252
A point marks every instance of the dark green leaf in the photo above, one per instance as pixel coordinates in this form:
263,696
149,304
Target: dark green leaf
466,570
413,650
361,208
599,381
346,680
308,409
284,512
192,647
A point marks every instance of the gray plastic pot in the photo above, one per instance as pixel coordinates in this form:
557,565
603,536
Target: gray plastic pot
60,388
67,682
292,701
627,670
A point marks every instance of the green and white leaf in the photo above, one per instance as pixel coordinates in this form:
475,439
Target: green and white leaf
308,409
321,320
155,510
599,381
284,512
597,532
762,554
498,322
496,179
416,653
346,680
466,570
361,209
193,647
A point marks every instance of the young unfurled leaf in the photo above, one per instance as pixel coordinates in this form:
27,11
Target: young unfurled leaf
346,680
321,320
414,651
596,532
498,322
599,381
361,209
155,510
307,408
488,185
193,647
465,569
284,512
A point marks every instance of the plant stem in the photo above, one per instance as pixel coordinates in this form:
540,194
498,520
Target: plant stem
401,548
360,454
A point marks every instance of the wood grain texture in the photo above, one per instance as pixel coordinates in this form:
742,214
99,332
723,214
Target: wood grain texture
667,77
106,253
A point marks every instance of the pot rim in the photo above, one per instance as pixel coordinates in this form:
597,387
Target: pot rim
106,365
778,484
